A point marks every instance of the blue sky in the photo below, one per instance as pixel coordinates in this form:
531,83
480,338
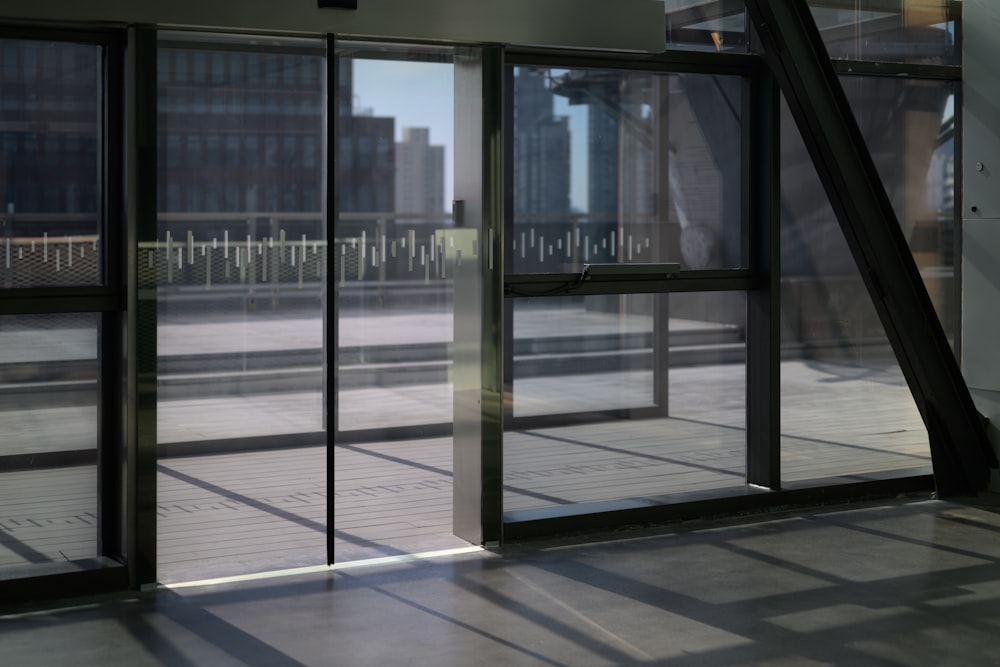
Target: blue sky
421,94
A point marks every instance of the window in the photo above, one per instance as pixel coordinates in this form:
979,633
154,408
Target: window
629,167
61,416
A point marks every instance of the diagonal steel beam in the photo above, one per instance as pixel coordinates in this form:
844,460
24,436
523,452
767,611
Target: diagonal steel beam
794,50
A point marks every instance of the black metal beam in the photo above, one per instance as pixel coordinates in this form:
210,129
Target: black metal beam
141,327
794,50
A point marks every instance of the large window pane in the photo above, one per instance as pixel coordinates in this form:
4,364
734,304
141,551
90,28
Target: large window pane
240,267
394,249
909,126
48,417
643,396
614,166
846,409
396,253
50,207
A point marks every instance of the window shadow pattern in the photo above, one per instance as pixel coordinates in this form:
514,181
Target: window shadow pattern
892,584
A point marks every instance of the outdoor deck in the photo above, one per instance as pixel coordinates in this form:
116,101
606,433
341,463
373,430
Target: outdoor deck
232,513
240,512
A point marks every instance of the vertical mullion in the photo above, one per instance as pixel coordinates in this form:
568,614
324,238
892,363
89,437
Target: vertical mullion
478,342
507,344
761,184
666,243
141,307
958,218
492,252
110,510
330,301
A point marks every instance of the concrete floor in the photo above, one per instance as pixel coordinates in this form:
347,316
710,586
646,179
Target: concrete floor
907,582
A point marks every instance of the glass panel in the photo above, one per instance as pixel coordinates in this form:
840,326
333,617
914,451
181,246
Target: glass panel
613,166
395,255
240,268
394,240
50,120
909,127
604,343
846,409
706,25
906,31
645,396
48,415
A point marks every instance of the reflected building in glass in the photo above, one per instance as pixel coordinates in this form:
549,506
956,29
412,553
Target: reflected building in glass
541,149
227,119
419,173
49,185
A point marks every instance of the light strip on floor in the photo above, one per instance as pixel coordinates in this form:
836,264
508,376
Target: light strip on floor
368,562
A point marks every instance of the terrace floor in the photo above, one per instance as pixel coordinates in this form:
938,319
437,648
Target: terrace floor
251,511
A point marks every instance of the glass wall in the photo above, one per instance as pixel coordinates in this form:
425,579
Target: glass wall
51,235
610,392
842,389
240,266
396,252
49,416
650,405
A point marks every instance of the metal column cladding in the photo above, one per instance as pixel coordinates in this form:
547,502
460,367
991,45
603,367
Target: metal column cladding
981,206
476,264
795,52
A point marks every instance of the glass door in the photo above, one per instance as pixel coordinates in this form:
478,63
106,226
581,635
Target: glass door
398,249
239,265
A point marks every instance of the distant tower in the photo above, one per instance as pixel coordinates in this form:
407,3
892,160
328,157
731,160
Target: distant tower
419,173
541,149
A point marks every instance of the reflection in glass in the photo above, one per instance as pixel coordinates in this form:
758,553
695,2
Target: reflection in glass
706,25
241,253
50,119
396,254
842,389
909,127
642,396
907,31
395,244
613,166
48,415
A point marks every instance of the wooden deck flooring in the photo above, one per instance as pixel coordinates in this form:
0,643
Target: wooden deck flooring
253,511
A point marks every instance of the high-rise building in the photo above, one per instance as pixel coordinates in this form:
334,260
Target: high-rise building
541,149
419,173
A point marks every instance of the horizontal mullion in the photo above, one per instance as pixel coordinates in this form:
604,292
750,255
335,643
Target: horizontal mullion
909,70
66,300
296,44
65,33
530,285
669,61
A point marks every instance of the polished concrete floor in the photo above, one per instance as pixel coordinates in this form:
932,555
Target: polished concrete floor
912,581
